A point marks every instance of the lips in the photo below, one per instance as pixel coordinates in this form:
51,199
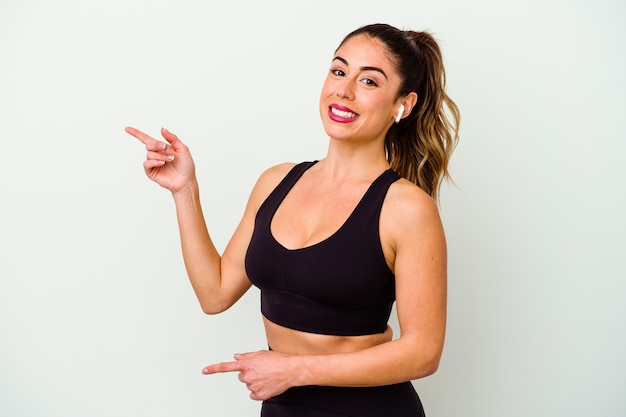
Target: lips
341,114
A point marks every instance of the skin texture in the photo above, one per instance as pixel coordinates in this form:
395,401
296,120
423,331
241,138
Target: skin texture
363,84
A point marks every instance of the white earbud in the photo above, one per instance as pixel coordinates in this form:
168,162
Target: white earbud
400,111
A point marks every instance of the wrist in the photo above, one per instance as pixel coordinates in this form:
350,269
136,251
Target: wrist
302,374
189,191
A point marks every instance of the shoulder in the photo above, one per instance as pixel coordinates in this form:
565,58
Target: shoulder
409,212
268,180
406,199
274,174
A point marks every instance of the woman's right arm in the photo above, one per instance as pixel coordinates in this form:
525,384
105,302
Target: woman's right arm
218,280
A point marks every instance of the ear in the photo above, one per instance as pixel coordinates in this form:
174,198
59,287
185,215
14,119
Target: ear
408,102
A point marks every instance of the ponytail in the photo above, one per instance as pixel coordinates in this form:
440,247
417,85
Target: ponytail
420,146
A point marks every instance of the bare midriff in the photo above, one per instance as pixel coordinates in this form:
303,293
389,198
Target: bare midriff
295,342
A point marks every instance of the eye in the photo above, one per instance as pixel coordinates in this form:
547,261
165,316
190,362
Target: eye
370,82
338,72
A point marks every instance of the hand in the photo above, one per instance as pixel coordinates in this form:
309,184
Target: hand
265,373
169,164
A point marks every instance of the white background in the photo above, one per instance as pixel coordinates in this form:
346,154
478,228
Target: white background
97,317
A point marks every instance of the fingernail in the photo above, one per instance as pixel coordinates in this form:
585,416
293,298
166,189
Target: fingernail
164,146
170,157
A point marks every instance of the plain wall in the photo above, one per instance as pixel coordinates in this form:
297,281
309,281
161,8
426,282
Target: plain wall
97,317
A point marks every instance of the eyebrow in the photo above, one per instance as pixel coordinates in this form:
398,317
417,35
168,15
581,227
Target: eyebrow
366,68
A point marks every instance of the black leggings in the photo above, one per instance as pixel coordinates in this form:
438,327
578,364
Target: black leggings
398,400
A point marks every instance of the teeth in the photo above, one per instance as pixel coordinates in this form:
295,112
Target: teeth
344,114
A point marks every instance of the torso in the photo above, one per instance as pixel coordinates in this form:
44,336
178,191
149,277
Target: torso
313,211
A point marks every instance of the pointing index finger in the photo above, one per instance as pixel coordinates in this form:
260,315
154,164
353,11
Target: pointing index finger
144,138
223,367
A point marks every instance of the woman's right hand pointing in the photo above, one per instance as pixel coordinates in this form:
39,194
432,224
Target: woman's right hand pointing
169,163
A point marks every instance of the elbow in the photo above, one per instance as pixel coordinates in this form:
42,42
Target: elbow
424,369
212,308
426,364
210,311
430,367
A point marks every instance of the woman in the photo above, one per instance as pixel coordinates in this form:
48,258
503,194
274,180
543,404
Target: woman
333,243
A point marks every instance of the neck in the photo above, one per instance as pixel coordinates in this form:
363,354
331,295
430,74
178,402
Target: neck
346,160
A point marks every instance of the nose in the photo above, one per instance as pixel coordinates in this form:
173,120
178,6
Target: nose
345,89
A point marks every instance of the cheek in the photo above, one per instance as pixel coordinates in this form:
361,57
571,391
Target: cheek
323,101
322,108
325,91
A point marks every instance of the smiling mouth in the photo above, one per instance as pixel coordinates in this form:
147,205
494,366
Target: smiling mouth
343,114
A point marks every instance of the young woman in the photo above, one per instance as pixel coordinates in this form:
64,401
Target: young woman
332,244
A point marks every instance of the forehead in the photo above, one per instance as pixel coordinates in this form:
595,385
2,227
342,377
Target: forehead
362,50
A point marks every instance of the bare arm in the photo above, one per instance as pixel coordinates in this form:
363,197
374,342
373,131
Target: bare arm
218,280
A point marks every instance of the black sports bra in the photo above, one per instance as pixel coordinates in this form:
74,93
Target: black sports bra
339,286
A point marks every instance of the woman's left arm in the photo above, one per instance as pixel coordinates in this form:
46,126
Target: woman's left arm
414,240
